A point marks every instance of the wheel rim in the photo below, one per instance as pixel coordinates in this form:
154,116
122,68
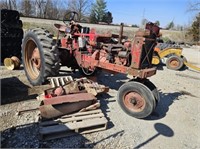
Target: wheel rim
32,59
155,60
134,102
174,63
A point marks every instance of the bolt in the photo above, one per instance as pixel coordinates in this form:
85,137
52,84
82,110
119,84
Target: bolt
133,101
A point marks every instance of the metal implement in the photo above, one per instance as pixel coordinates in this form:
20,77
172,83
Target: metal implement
174,62
53,111
69,98
12,63
61,105
59,81
76,86
175,59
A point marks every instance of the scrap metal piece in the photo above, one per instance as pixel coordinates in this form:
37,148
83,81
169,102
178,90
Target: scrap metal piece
59,81
95,88
69,98
71,87
52,111
12,63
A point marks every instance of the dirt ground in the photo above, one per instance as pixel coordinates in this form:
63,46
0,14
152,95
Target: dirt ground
174,123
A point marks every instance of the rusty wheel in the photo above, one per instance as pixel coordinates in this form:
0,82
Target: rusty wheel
136,99
174,62
40,56
32,59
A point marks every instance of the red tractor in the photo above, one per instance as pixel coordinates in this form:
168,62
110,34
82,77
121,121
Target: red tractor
82,48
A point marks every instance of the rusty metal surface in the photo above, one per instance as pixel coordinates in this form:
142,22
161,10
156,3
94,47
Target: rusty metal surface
148,72
121,32
143,73
174,63
69,98
52,111
59,81
134,102
95,88
35,58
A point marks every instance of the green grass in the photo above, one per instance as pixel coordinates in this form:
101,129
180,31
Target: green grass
28,25
178,36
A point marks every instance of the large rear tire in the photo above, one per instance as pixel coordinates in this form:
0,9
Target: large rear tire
40,56
136,99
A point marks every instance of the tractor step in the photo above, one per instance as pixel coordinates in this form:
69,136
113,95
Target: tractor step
59,81
68,125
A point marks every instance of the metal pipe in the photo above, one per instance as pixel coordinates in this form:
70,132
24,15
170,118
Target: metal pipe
121,33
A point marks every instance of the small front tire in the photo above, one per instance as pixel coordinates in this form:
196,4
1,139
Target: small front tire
136,99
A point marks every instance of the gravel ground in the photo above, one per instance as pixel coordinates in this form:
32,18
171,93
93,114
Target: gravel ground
174,123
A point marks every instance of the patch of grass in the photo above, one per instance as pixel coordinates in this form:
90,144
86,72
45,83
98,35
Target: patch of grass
177,36
50,28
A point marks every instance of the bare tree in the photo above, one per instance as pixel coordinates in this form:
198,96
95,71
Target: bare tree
26,7
40,6
48,8
3,4
194,6
13,4
8,4
62,8
82,7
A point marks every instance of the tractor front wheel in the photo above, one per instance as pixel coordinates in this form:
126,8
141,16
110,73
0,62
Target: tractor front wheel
40,56
136,99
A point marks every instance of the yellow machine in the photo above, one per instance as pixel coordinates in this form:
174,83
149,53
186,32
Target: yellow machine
175,59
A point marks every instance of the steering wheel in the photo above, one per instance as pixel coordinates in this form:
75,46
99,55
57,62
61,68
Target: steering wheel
70,16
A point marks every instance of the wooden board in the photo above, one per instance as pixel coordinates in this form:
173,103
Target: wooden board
80,123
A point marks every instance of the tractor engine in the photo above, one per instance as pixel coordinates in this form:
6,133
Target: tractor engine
116,53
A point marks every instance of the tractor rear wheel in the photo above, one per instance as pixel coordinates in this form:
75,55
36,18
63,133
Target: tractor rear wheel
174,62
40,56
136,99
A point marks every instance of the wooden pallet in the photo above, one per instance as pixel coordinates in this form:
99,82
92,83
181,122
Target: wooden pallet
81,123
